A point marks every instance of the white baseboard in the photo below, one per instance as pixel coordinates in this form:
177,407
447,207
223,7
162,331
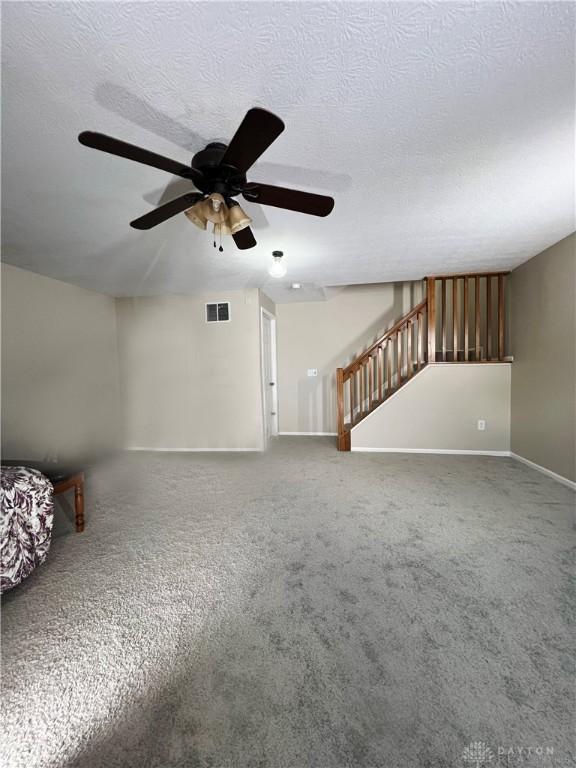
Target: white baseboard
447,451
195,450
309,434
539,468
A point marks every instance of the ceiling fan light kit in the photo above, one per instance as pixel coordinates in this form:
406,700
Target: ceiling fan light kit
219,173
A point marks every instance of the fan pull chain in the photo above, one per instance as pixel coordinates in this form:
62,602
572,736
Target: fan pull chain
220,233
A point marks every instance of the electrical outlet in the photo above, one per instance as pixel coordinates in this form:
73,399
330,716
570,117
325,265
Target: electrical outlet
312,371
481,425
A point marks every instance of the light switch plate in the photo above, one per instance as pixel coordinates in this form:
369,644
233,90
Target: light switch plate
312,371
481,425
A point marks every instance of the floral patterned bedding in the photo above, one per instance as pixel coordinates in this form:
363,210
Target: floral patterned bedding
26,515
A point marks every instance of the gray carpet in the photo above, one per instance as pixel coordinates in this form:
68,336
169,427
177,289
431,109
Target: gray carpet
298,608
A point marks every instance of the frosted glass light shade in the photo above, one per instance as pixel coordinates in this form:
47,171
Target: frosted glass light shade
277,268
196,215
237,218
222,229
214,208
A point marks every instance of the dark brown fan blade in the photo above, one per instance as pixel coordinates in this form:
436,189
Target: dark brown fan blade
163,212
244,239
254,135
291,199
130,152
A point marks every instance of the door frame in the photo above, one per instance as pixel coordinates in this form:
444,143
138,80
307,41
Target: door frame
274,367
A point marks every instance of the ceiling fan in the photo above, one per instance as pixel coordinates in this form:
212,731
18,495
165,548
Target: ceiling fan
219,174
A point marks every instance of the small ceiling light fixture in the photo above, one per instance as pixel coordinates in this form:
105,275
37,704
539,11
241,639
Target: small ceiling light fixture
277,269
296,286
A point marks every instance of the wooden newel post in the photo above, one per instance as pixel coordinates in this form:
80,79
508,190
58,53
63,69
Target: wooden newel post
342,441
340,402
431,299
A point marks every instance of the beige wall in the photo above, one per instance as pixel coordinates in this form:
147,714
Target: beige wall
439,409
60,395
544,349
325,335
188,384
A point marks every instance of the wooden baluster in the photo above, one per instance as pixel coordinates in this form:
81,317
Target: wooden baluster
352,397
501,333
370,382
488,317
420,329
477,355
389,366
431,302
466,349
443,319
409,331
340,404
455,317
380,373
384,371
362,382
399,361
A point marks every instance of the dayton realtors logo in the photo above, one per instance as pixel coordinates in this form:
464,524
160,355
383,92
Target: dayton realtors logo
479,755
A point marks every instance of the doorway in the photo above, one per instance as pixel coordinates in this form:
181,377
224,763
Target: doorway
269,374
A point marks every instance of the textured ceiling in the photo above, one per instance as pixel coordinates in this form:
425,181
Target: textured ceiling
443,130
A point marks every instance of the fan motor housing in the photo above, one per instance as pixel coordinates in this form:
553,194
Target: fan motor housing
226,179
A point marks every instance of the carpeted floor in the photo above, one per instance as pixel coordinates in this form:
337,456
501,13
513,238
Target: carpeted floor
299,608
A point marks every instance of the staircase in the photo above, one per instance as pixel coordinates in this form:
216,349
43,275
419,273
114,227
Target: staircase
461,320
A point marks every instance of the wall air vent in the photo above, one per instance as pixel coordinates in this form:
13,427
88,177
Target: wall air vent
218,312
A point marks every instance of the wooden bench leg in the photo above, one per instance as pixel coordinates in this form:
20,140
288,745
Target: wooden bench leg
79,505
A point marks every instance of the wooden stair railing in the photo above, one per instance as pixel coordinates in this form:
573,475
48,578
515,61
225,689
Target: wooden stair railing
456,326
467,316
379,371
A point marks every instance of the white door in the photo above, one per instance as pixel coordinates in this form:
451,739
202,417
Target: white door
270,395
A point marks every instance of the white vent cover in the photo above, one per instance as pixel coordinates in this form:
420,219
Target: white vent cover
218,312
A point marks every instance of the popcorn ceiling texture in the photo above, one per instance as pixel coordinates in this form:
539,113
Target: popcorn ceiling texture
443,130
297,608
